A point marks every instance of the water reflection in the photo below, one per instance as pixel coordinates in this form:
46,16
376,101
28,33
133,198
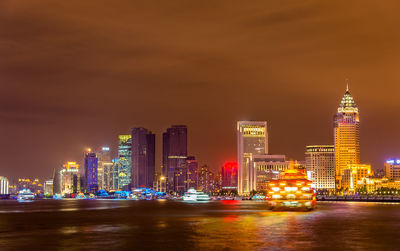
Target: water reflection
235,225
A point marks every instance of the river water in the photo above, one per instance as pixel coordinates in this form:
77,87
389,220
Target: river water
216,225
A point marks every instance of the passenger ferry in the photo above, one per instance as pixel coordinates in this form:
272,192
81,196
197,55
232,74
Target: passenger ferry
193,195
292,191
25,195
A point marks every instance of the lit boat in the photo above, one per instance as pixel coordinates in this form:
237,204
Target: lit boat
57,196
25,195
292,191
80,196
193,195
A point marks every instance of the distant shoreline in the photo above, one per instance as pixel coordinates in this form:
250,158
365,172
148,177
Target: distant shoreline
360,198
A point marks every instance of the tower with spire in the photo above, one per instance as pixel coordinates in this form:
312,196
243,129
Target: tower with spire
346,136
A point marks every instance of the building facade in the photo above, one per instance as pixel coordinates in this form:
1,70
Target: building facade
392,169
208,180
174,158
143,158
229,176
104,161
91,164
48,187
192,172
354,173
346,136
252,139
69,178
268,167
320,164
124,161
4,185
34,185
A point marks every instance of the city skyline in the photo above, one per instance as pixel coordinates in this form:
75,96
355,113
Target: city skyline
297,78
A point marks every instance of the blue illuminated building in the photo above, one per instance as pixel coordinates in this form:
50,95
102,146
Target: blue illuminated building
91,163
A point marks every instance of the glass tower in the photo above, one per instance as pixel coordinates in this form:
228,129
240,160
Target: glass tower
252,139
346,136
143,158
174,157
125,161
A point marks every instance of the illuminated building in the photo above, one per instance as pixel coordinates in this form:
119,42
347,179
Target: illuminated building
104,162
229,178
346,136
4,185
143,158
320,164
34,185
174,158
252,139
48,187
353,173
115,174
69,178
108,175
291,191
125,161
392,169
192,172
91,164
56,181
268,167
207,180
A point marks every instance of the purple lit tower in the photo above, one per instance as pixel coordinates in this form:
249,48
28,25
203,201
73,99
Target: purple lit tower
91,163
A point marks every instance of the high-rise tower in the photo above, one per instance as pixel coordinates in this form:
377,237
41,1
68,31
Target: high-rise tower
252,140
143,158
346,136
125,161
174,157
91,162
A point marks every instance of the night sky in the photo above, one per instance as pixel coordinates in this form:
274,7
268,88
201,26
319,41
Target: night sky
75,74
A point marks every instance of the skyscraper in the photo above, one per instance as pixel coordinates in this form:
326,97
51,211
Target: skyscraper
104,161
252,139
174,157
320,163
346,136
91,164
143,158
125,161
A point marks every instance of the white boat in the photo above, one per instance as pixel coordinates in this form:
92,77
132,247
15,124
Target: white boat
25,195
193,195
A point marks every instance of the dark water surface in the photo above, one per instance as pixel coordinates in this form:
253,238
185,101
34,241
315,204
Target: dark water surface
168,225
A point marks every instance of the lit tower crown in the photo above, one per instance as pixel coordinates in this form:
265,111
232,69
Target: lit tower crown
347,104
347,136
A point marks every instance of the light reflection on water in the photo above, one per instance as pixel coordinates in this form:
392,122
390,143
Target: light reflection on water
230,225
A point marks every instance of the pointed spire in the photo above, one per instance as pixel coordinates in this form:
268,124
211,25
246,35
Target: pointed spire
347,104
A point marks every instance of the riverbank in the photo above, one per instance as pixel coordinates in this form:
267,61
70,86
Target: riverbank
364,198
